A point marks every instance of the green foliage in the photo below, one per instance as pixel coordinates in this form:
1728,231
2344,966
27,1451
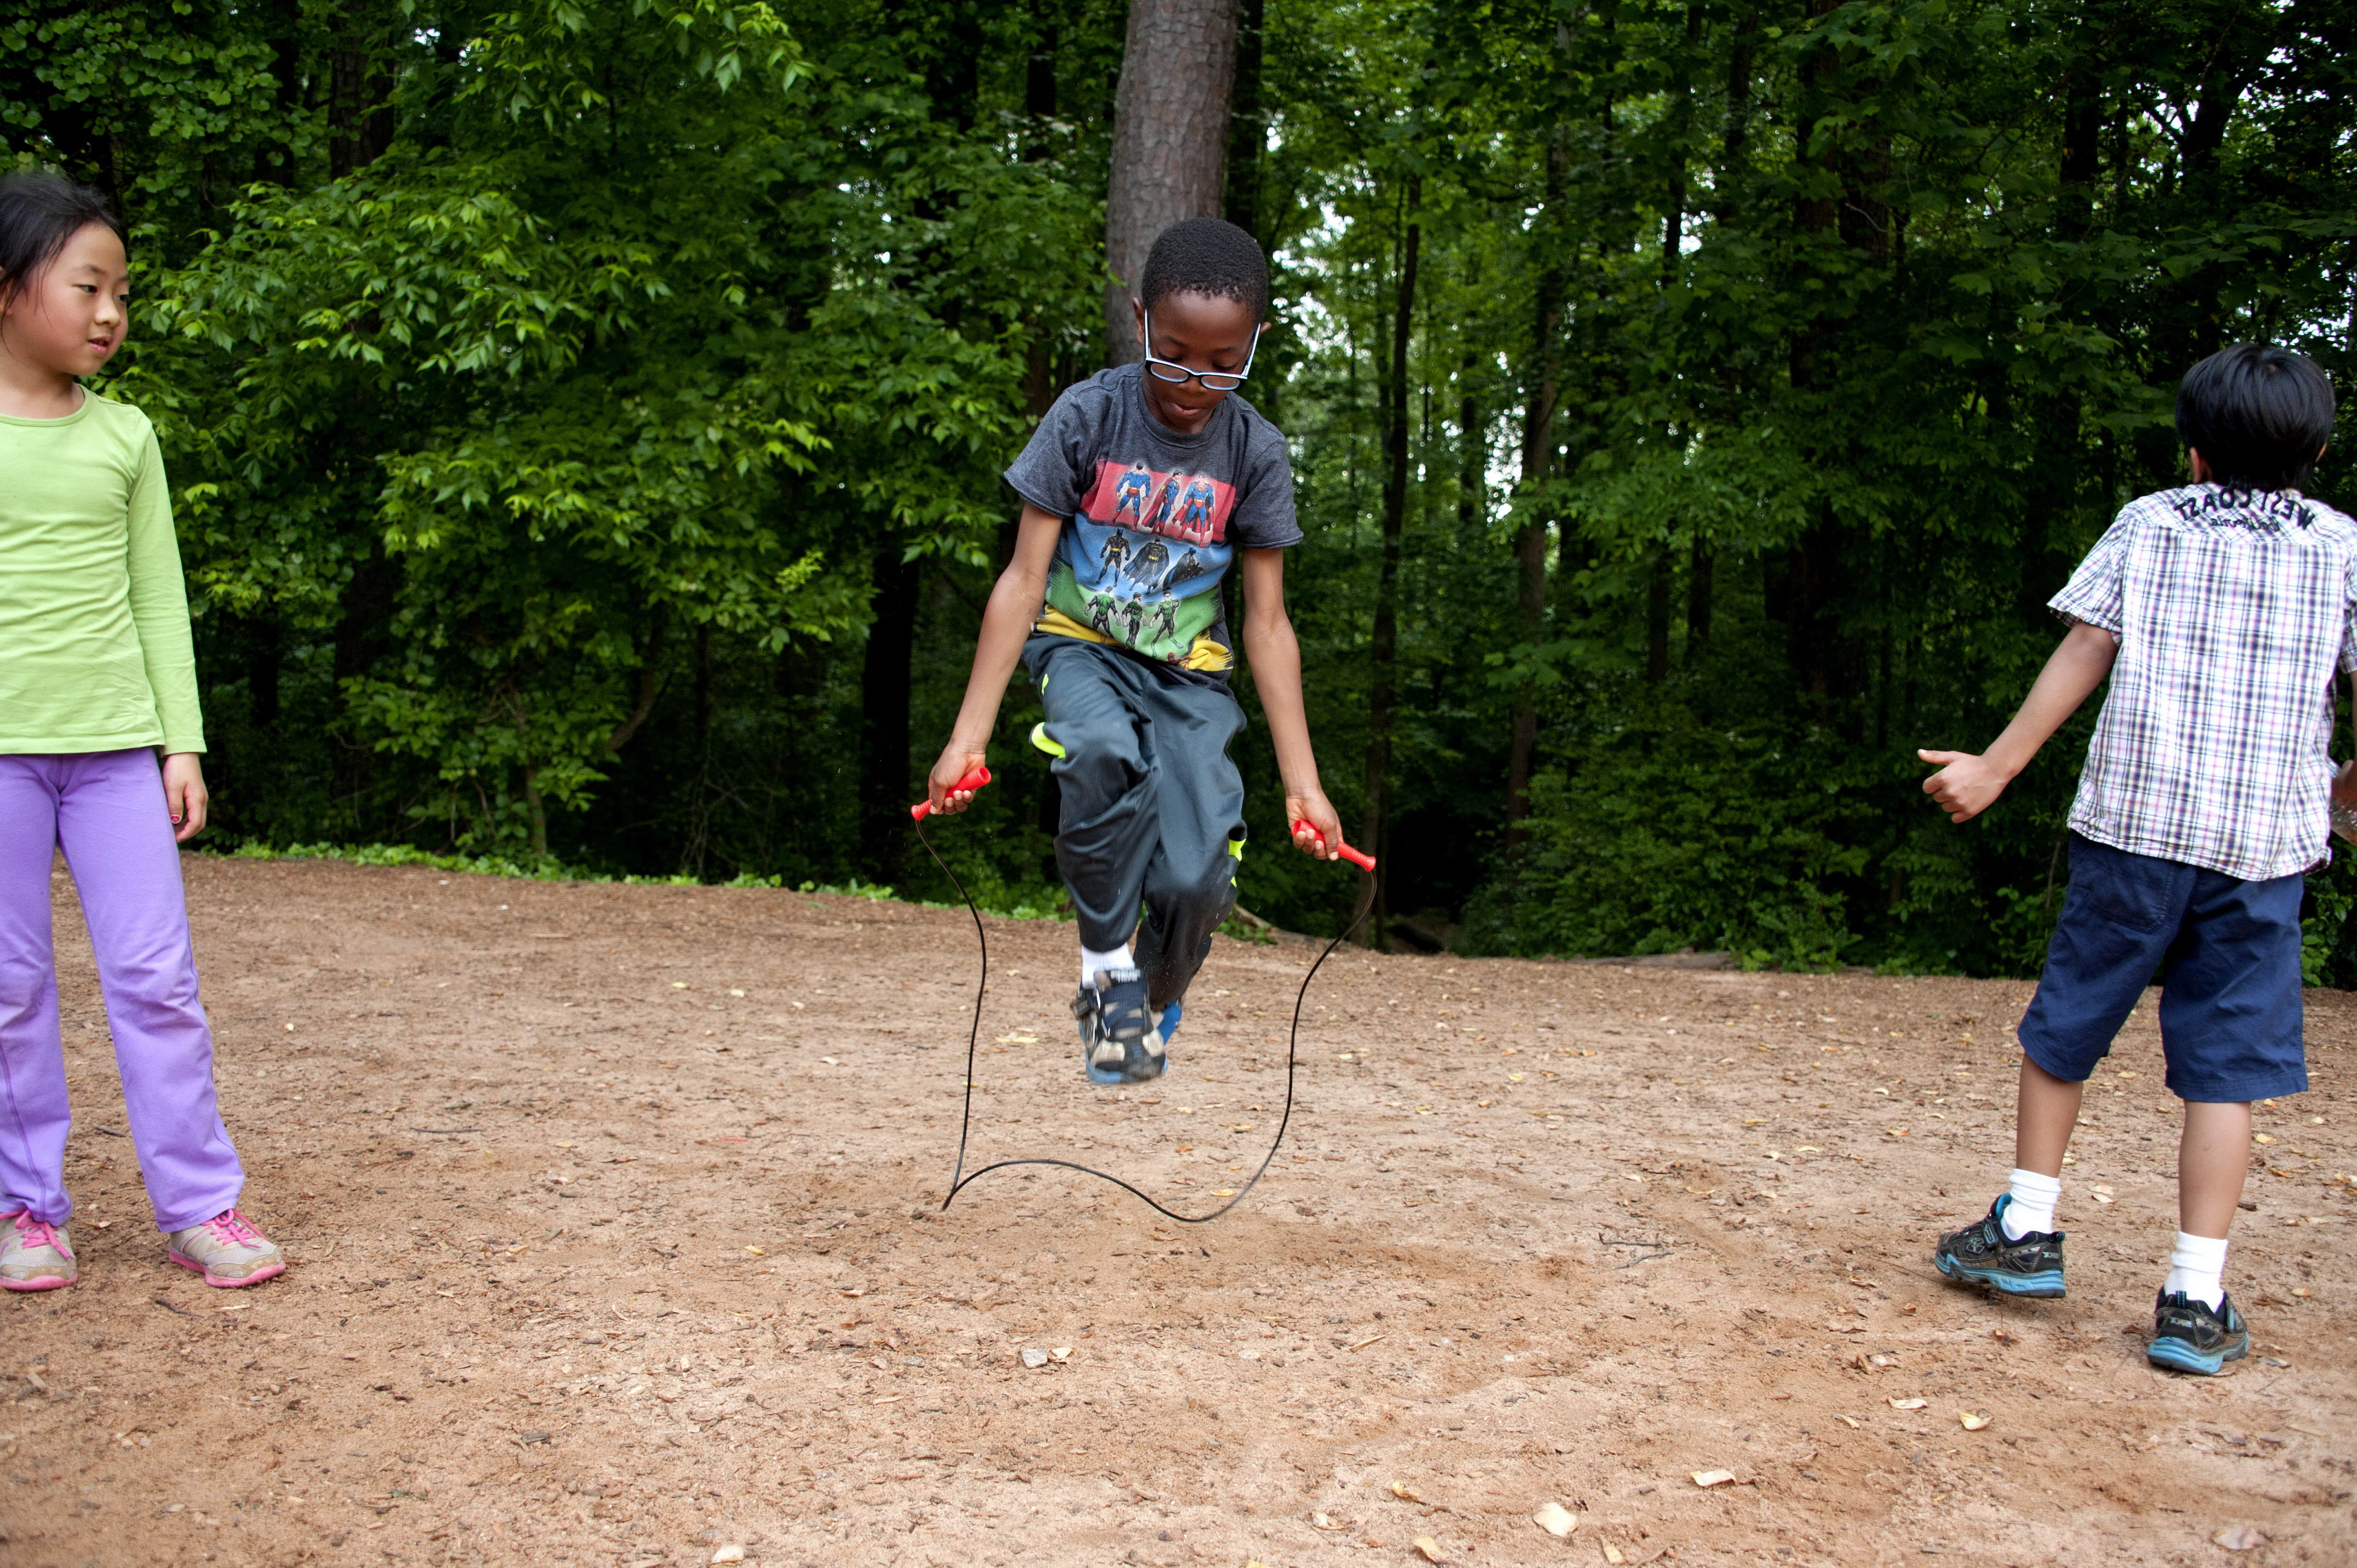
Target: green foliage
555,392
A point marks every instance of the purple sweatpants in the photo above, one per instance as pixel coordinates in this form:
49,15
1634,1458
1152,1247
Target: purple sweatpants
106,810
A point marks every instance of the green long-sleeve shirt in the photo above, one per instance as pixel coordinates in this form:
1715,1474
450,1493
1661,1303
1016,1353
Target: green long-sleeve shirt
95,653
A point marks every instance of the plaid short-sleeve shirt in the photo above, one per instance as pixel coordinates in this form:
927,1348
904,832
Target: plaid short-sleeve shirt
2232,609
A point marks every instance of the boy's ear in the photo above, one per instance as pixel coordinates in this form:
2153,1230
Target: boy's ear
2199,464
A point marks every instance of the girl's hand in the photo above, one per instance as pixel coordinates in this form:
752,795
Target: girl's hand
184,795
1308,809
958,760
1966,785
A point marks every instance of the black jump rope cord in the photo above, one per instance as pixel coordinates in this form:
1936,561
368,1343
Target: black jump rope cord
959,1181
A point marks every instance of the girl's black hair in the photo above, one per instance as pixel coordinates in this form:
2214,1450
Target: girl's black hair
1206,256
2258,416
38,213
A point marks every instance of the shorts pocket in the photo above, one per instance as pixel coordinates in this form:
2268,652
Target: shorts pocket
2137,891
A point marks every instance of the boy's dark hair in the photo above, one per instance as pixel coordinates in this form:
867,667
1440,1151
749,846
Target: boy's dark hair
1206,256
2258,416
38,213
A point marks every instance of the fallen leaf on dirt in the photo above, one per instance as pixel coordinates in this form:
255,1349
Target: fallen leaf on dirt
1368,1340
1428,1548
1612,1553
757,1252
1851,1422
1326,1521
2002,1335
1909,1404
1973,1420
1223,1192
732,1552
1556,1520
1712,1478
2240,1538
1060,1353
1405,1493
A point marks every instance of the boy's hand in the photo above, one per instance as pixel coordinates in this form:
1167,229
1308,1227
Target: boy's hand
2344,786
1309,809
184,795
958,760
1966,785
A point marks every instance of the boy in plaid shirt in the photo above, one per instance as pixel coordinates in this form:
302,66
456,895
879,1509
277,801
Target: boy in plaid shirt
2220,611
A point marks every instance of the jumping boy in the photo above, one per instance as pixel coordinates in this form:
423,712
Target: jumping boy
2220,611
1139,714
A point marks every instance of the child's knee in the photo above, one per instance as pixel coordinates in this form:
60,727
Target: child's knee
1204,891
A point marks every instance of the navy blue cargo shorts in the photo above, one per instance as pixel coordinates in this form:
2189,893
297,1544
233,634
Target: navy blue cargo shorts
2229,955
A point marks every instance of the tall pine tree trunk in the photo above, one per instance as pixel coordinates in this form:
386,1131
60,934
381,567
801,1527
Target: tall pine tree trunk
884,714
1538,451
1170,141
1248,124
1374,828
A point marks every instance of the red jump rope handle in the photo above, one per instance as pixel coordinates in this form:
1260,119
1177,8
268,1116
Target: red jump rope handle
1358,858
974,780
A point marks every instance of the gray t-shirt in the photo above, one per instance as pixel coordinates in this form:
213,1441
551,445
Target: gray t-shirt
1153,518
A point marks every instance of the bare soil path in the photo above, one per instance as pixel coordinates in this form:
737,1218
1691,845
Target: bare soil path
613,1214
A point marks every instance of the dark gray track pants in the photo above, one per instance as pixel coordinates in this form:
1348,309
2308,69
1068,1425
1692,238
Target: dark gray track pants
1153,808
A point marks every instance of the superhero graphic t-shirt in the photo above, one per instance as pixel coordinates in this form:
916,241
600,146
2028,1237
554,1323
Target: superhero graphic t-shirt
1153,518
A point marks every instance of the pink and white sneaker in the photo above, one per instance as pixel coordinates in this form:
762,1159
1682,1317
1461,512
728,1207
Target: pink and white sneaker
34,1256
228,1251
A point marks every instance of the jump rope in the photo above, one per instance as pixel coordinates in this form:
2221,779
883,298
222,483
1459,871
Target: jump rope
959,1181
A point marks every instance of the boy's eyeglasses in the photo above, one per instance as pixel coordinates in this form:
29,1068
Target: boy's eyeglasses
1171,370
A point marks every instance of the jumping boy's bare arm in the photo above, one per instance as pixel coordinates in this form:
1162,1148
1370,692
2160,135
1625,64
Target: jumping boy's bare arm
1005,623
1968,785
1275,655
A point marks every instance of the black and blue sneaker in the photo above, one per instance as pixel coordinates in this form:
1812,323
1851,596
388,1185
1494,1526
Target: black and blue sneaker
2190,1336
1119,1042
1982,1254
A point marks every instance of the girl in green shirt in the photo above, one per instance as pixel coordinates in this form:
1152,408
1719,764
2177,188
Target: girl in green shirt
97,682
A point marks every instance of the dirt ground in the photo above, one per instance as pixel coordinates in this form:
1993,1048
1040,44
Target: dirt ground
614,1222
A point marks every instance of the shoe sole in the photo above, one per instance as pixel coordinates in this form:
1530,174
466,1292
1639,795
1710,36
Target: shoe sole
43,1282
2181,1356
222,1282
1103,1077
2046,1285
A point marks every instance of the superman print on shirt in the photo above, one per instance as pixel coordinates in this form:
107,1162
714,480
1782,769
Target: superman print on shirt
1154,519
1142,560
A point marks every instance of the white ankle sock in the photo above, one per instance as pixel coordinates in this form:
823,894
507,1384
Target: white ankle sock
2197,1267
2033,1208
1093,961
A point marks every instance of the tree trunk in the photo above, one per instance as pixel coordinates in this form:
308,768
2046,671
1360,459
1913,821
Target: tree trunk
360,98
1657,618
535,812
1248,124
1374,828
1698,570
884,714
1472,456
1538,449
1170,141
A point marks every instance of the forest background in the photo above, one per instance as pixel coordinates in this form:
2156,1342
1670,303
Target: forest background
584,416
